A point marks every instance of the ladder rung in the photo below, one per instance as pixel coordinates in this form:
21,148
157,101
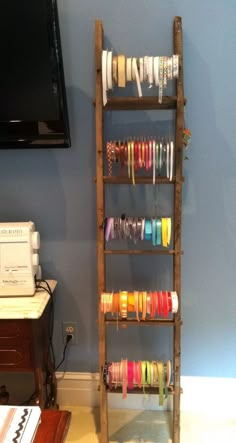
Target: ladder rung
133,322
142,252
140,103
139,180
148,389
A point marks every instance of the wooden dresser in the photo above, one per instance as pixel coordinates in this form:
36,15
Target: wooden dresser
54,427
24,342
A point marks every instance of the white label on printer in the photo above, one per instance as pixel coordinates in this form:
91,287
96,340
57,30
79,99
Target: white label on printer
14,282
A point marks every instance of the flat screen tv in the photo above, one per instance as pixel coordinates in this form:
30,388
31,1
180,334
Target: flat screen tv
33,109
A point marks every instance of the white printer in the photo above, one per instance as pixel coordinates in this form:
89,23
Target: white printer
19,259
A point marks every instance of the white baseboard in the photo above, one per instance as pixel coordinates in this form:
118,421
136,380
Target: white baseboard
77,389
201,395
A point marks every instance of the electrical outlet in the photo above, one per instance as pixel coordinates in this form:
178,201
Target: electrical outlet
69,328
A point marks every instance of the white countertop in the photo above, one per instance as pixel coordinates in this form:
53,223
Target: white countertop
25,307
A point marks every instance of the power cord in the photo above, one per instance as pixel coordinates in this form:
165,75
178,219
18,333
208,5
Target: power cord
68,339
50,354
50,351
26,402
51,361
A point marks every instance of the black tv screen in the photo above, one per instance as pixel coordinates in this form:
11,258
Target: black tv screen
33,109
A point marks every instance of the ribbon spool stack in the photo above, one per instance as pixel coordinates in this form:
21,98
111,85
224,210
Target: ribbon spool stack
117,70
155,155
141,374
147,303
156,230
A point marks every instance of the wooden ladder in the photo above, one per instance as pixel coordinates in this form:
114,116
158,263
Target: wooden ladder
177,103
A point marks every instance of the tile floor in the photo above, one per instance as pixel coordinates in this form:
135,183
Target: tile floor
132,426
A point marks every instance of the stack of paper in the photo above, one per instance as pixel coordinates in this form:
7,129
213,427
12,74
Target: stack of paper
18,424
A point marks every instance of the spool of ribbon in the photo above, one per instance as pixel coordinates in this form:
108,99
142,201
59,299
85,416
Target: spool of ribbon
141,374
156,230
145,304
117,70
154,155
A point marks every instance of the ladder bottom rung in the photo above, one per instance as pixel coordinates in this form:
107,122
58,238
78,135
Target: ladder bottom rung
147,390
134,322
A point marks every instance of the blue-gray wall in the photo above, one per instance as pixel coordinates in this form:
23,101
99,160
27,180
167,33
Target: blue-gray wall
56,190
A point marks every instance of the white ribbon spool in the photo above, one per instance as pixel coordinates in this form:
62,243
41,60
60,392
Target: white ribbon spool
135,75
104,77
171,159
141,69
175,302
145,68
150,71
167,160
156,70
129,69
109,70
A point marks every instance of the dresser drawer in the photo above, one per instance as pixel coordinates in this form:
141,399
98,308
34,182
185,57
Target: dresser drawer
16,345
15,328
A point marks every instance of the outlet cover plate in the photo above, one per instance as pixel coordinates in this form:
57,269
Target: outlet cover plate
69,327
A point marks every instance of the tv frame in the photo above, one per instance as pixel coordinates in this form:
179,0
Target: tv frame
49,140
